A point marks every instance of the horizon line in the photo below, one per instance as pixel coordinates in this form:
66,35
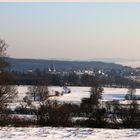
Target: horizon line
68,59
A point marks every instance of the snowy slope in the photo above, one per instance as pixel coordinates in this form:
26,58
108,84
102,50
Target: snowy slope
49,133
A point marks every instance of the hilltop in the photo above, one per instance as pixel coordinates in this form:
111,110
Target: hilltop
17,64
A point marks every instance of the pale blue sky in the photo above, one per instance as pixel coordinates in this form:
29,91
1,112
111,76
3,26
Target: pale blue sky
71,30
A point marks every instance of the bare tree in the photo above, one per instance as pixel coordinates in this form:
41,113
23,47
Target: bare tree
38,92
131,114
92,105
3,47
7,92
54,113
96,95
131,93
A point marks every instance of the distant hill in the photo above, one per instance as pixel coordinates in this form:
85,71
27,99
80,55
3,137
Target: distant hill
122,61
111,60
28,64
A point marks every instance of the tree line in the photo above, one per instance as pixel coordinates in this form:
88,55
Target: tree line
71,79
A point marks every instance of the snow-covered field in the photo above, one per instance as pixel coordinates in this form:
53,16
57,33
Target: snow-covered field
77,93
50,133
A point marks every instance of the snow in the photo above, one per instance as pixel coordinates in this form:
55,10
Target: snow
77,93
24,116
52,133
75,97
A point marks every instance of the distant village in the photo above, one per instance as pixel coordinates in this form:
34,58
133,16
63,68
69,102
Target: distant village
133,74
80,77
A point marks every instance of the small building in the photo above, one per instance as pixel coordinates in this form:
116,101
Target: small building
52,69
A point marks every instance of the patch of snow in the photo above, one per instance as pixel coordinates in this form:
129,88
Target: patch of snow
52,133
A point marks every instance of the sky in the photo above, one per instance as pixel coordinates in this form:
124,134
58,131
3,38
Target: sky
75,31
122,1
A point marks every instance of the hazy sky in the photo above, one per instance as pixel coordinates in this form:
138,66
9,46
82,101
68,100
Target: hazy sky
70,1
71,30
